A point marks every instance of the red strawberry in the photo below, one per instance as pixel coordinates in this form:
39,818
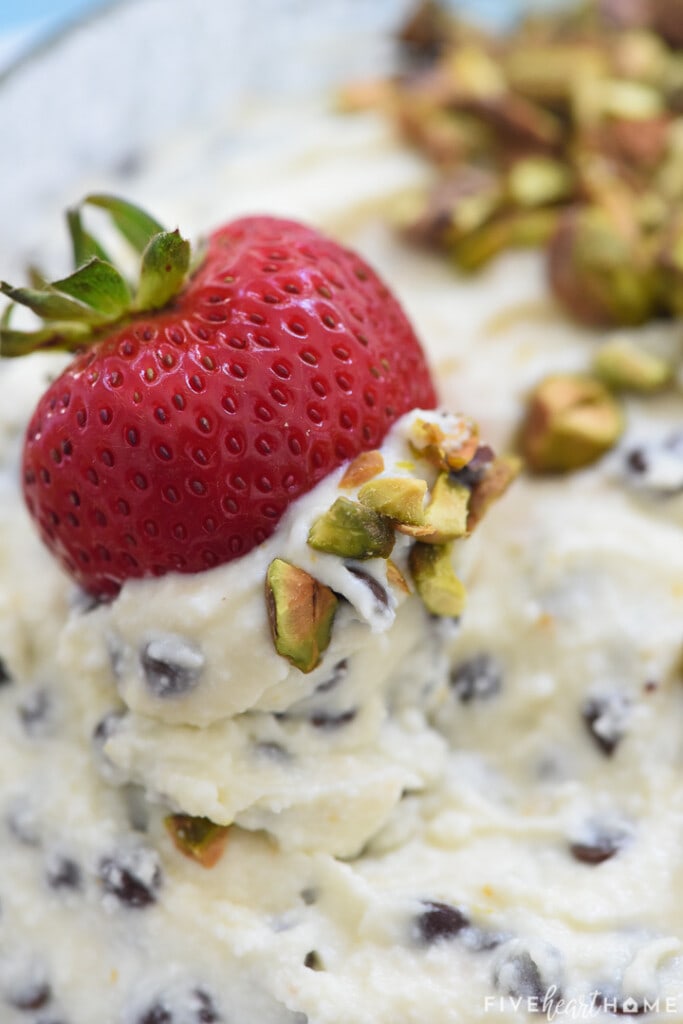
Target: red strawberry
178,438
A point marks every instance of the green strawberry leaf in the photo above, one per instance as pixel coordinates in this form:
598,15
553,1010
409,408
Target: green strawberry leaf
7,316
77,308
136,226
165,263
84,245
99,286
49,304
69,336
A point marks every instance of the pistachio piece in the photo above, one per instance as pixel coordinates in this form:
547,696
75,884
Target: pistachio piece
473,251
529,228
625,366
197,838
362,468
571,421
396,579
401,498
446,514
351,530
490,486
537,180
452,449
631,100
670,262
435,581
545,71
598,272
301,612
518,121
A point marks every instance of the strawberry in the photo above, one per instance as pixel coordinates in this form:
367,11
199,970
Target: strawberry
197,409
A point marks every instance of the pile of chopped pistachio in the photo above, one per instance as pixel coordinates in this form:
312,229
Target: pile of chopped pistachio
362,525
567,133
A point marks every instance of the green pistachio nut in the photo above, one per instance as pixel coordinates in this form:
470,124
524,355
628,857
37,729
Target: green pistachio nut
441,591
301,613
571,421
625,366
197,838
601,273
400,498
446,514
351,530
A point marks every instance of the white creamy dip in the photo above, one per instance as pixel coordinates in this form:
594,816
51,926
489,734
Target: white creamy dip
500,821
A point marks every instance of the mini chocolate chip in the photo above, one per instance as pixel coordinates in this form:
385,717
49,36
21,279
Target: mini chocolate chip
63,873
172,666
34,712
518,976
204,1008
657,466
106,727
196,1007
309,896
375,587
329,722
339,672
132,876
5,677
605,718
598,850
156,1014
273,750
313,962
636,461
478,678
31,996
22,822
439,921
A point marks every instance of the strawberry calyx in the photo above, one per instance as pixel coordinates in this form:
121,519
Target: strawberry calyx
96,296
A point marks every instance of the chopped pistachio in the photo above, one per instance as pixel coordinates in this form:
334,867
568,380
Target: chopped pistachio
571,421
362,468
632,100
401,498
435,581
533,227
451,450
396,579
475,250
446,514
641,56
301,612
545,71
197,838
475,72
537,180
492,485
625,366
351,530
597,270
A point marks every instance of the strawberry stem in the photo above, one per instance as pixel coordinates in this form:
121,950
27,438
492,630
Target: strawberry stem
76,308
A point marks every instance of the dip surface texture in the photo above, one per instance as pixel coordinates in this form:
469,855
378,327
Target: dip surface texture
440,821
